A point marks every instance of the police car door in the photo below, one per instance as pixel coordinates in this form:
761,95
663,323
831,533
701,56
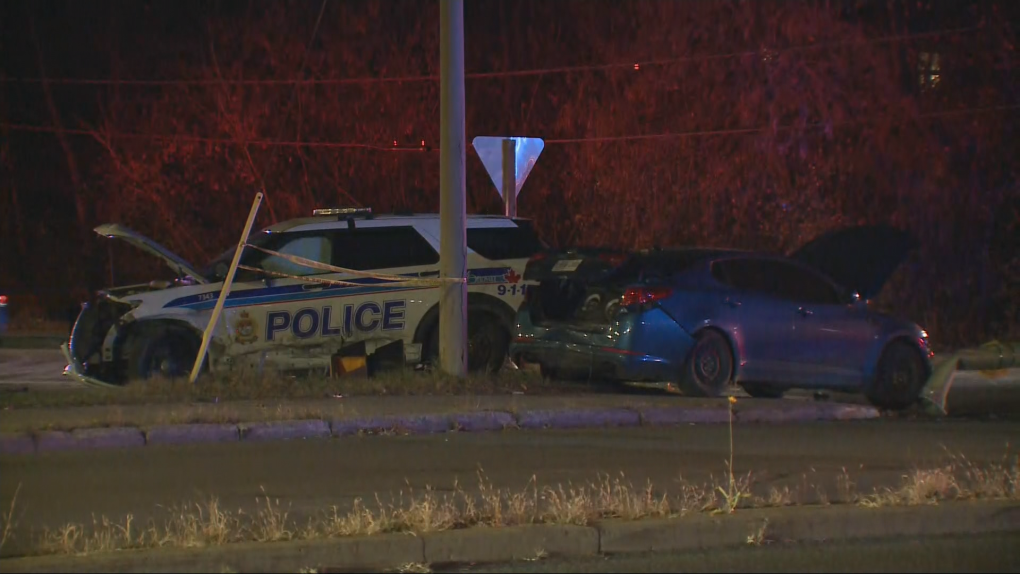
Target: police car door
277,311
377,309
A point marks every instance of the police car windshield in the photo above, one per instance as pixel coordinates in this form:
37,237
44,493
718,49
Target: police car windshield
216,270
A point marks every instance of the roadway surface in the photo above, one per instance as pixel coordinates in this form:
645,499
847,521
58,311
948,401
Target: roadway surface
994,553
309,476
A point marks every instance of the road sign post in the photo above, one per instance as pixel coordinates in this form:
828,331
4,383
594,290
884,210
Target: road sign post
509,161
452,190
509,177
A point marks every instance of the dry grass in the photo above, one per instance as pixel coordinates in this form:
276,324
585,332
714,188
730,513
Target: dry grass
208,524
10,522
958,479
760,534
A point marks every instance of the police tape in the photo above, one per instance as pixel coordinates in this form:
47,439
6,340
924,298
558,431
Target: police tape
438,282
341,283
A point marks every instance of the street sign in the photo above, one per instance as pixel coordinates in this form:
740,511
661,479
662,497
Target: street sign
526,152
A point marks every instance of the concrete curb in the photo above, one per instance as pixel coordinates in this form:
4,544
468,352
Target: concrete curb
481,545
284,430
87,439
17,444
803,525
806,413
413,424
666,416
482,421
192,434
365,552
581,418
512,543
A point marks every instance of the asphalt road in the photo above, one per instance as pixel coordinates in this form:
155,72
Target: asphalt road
994,553
308,476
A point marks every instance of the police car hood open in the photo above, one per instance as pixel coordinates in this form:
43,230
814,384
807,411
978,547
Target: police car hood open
178,265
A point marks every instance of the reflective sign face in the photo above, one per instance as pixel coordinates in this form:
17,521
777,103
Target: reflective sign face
490,151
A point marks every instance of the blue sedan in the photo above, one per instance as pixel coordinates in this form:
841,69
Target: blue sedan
704,319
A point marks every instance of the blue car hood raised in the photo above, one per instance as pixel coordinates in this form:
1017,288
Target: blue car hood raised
859,258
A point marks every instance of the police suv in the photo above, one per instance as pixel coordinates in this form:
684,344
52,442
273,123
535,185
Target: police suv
288,316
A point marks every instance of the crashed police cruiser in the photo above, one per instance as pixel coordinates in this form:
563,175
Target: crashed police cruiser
286,316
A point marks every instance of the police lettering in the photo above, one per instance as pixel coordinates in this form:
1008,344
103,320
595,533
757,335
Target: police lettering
364,318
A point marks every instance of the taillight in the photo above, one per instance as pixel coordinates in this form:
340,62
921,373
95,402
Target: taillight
643,295
3,300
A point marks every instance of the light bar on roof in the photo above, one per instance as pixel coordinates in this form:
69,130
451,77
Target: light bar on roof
343,211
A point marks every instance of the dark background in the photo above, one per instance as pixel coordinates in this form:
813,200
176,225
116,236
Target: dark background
846,125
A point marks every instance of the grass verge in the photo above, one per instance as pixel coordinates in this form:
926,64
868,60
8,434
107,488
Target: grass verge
400,382
207,524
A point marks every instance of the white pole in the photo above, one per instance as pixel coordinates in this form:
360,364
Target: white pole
452,184
218,309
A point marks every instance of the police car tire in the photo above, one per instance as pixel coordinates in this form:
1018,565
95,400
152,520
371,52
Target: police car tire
488,325
146,344
479,321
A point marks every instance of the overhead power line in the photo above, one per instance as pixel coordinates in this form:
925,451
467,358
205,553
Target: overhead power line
554,141
207,140
636,66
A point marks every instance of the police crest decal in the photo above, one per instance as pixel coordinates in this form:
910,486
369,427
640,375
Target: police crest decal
245,329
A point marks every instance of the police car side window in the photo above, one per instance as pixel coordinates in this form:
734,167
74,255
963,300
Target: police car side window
382,248
315,247
519,242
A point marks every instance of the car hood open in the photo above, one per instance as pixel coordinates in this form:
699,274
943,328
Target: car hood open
859,258
178,265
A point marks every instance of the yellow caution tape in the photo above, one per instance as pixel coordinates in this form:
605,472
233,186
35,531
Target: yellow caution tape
334,269
340,282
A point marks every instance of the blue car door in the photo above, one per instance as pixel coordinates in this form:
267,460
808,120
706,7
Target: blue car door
831,336
760,321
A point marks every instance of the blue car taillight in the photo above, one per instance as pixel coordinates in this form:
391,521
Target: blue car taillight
644,295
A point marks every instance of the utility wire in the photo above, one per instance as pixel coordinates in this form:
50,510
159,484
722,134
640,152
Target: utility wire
553,141
636,66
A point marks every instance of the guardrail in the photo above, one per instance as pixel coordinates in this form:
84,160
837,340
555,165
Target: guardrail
992,356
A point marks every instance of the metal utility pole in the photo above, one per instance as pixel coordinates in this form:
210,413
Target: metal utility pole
510,177
452,185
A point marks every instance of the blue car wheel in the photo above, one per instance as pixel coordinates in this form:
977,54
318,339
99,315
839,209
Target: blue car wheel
899,378
709,367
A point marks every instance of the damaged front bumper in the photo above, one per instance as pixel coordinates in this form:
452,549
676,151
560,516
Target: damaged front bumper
90,329
76,370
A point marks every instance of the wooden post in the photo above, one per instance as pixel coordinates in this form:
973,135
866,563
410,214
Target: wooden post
225,290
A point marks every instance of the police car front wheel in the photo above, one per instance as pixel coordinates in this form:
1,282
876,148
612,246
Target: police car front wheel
488,342
160,352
